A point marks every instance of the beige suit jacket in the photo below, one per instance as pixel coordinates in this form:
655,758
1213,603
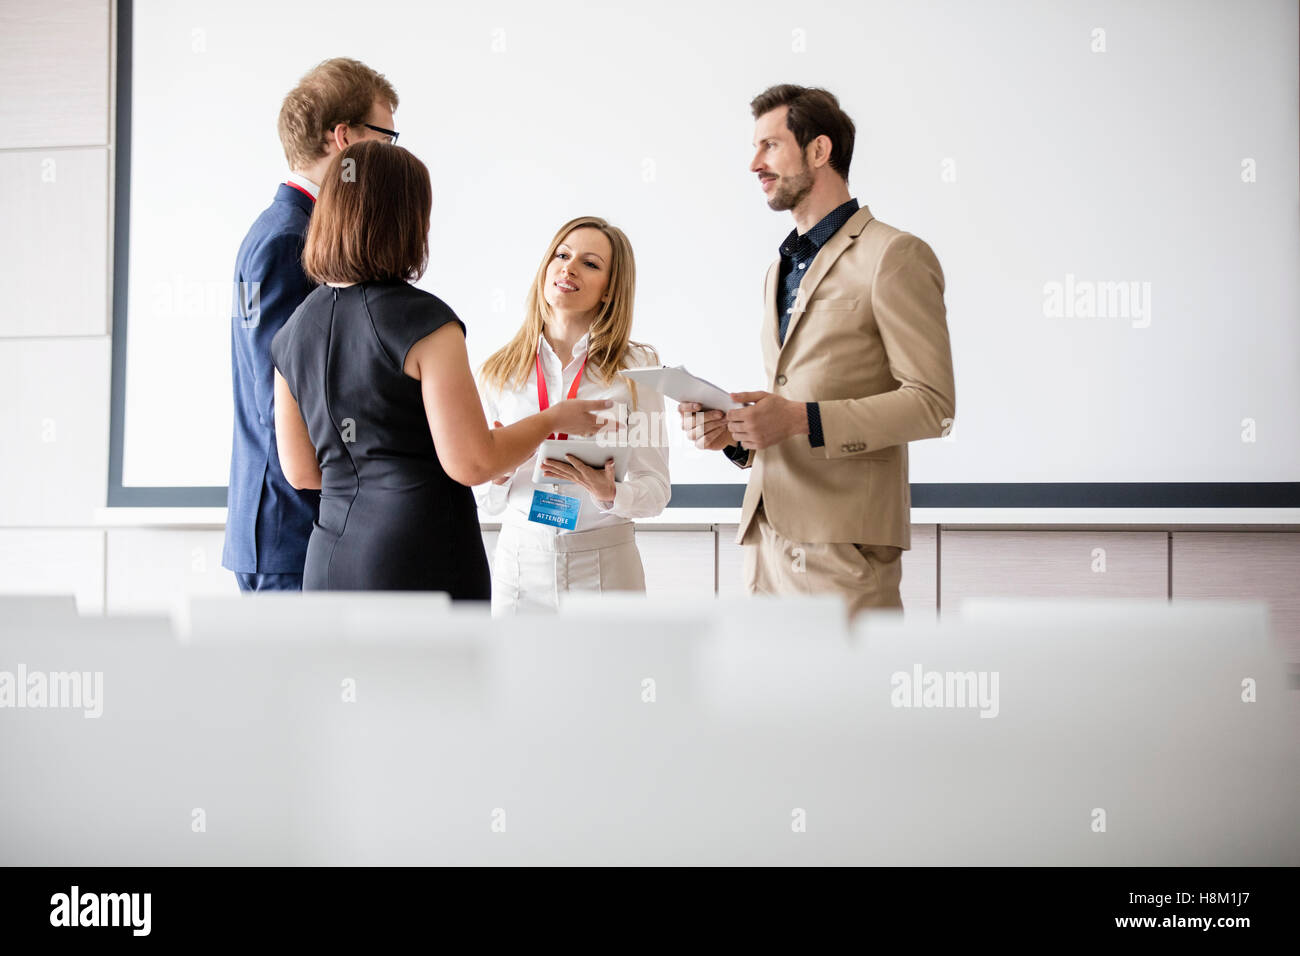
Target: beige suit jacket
867,341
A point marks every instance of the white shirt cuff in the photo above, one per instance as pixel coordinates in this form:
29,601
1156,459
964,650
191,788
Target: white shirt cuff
621,494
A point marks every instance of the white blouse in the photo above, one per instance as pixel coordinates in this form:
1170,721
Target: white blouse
642,494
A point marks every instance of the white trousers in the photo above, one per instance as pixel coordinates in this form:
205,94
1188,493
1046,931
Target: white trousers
533,565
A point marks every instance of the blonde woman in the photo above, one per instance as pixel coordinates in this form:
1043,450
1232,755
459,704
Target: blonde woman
574,341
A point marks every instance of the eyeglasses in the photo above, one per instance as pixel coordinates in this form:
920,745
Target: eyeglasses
390,133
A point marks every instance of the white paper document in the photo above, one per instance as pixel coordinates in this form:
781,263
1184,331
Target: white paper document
680,385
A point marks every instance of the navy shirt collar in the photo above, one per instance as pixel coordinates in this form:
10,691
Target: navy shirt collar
801,247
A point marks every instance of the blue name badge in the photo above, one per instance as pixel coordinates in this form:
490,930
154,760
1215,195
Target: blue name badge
555,511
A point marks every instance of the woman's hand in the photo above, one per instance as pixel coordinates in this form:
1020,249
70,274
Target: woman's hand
599,482
576,416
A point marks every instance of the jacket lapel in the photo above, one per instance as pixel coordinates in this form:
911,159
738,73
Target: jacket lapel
771,324
821,265
294,197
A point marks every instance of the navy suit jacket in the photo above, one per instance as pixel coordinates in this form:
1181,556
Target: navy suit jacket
267,522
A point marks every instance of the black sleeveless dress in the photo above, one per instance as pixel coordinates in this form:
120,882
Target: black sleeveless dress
391,519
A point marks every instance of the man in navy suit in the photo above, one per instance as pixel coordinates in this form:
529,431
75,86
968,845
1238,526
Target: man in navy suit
268,522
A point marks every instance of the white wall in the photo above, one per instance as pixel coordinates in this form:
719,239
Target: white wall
54,384
1028,150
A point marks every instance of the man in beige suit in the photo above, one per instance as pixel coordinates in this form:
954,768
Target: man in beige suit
855,345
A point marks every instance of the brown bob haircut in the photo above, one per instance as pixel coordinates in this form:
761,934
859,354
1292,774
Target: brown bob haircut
336,91
813,112
371,220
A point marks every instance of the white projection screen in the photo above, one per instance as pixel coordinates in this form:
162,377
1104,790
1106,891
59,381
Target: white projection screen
1112,188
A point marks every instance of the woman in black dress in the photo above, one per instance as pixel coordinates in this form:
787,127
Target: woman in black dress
375,402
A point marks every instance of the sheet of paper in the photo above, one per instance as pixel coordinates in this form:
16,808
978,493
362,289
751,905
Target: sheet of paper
680,385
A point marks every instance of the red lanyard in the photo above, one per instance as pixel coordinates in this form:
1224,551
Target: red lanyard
543,403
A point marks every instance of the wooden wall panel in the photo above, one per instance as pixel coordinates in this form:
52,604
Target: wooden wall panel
54,244
54,73
1256,564
677,563
54,416
54,561
1111,564
151,572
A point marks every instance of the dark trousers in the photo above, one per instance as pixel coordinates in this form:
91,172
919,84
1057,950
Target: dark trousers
268,582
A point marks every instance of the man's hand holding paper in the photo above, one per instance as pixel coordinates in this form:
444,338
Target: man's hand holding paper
707,428
765,419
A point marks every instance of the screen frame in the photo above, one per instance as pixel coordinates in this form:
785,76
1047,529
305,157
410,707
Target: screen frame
984,495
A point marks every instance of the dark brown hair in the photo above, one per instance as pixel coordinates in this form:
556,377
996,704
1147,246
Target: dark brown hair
335,91
371,221
813,112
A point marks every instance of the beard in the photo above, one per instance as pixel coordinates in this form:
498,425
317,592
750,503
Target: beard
791,191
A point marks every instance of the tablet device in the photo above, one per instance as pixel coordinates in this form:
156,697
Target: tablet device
591,452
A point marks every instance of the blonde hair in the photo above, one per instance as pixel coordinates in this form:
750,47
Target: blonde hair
335,91
609,342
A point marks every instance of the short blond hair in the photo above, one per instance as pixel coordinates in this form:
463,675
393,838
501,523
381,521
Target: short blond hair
336,91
